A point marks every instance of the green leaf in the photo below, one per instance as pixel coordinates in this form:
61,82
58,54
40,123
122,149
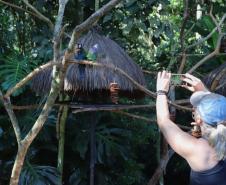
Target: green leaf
75,178
82,145
39,175
209,24
15,68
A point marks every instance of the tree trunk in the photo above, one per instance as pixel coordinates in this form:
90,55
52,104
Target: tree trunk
18,165
62,124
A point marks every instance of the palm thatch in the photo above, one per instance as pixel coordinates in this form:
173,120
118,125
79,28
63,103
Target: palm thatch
216,80
96,80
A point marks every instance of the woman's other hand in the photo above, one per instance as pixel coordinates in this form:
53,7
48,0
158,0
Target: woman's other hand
163,81
192,83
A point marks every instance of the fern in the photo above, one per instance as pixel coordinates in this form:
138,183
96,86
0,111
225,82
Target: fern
14,69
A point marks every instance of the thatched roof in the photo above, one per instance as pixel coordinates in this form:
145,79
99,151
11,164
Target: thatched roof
96,78
217,76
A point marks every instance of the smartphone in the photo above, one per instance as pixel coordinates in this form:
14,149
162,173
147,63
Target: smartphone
176,79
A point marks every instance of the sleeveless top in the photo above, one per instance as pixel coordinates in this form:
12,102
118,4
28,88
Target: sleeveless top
213,176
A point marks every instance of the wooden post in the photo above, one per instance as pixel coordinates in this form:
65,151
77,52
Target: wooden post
61,136
93,122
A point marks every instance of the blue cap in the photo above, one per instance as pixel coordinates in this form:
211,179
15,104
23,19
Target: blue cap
210,106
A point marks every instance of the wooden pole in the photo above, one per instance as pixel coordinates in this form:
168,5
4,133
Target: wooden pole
93,122
61,128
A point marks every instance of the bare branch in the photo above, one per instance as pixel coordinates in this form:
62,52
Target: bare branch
208,36
135,116
183,62
37,70
185,19
79,29
56,82
29,77
149,72
38,14
211,55
57,29
91,108
31,13
87,24
58,77
159,170
182,37
19,8
147,119
25,107
7,104
142,88
214,19
80,106
199,54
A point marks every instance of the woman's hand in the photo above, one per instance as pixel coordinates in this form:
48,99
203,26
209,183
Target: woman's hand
192,83
163,81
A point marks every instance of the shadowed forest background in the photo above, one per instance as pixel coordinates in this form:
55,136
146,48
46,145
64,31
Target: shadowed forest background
157,34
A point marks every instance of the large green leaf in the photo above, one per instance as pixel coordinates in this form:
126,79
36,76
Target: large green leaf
14,69
39,175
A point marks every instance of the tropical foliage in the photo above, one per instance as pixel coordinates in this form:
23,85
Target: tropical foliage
126,148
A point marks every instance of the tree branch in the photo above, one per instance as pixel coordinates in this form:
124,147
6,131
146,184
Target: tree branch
159,170
55,88
19,8
140,87
211,55
31,13
183,62
185,19
134,116
90,108
57,29
7,104
58,78
146,119
79,106
149,72
28,77
87,24
208,36
182,37
38,14
214,20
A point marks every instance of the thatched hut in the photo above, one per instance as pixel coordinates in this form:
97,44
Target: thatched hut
96,81
216,80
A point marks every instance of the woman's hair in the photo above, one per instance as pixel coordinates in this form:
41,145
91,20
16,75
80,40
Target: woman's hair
211,109
216,136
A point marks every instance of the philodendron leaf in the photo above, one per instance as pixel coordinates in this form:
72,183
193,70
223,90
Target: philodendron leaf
39,175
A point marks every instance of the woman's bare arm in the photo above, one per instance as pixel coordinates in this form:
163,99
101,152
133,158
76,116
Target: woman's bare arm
180,141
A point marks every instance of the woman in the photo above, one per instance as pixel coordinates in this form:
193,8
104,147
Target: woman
205,155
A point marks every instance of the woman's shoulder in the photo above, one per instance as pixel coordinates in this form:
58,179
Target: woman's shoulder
203,157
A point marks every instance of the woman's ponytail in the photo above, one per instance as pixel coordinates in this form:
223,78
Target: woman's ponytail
217,139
